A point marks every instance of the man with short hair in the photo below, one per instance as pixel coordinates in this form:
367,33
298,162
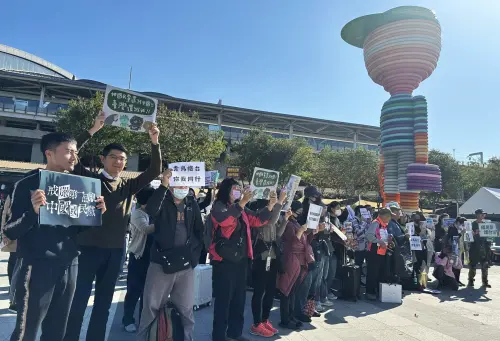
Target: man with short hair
479,251
102,249
48,253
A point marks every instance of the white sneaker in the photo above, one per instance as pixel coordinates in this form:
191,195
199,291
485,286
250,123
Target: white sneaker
332,297
319,307
327,303
131,328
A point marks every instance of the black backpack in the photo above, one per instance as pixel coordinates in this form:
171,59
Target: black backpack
208,234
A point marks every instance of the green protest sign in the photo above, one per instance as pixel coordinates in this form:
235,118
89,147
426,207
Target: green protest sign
263,182
128,109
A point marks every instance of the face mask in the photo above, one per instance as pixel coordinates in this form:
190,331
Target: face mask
338,213
236,194
180,193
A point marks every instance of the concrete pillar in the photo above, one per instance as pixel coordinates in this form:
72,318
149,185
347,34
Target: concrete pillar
133,163
290,132
36,153
219,120
42,97
355,139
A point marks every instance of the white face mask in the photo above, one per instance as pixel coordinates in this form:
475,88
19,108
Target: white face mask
236,194
338,213
180,193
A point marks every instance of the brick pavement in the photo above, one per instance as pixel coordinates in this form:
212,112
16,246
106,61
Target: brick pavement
469,314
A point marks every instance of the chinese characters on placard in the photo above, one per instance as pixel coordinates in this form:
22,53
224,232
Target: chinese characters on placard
488,230
124,102
265,179
65,196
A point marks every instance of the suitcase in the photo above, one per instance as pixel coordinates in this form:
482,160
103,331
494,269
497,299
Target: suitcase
202,286
350,282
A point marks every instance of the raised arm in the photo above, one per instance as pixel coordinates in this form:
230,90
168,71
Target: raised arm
207,201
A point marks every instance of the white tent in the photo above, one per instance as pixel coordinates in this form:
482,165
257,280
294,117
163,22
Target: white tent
486,198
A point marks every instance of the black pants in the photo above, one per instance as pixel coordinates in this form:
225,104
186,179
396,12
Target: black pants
288,303
203,256
445,280
264,288
375,271
230,280
11,265
136,278
44,292
103,265
484,270
421,256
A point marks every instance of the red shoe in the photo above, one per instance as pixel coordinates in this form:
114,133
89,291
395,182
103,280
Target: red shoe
270,327
261,330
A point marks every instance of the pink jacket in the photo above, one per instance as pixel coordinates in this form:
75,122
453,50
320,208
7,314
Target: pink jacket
448,267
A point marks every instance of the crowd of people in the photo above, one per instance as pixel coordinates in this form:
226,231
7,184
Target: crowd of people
249,242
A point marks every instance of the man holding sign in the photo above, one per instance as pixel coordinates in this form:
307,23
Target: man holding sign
102,249
48,253
479,251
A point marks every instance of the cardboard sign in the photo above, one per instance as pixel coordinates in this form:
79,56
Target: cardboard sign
313,216
488,230
291,189
128,109
263,182
191,174
410,228
448,222
415,243
70,200
365,213
211,178
233,172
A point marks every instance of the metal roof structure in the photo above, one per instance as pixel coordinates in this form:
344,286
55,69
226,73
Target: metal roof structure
209,113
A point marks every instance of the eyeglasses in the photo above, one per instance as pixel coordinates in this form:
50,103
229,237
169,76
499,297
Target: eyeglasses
117,158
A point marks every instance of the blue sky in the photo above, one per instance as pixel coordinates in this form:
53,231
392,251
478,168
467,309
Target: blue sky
282,55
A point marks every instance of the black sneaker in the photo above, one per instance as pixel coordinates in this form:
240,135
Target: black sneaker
13,308
297,322
304,318
486,285
289,325
471,284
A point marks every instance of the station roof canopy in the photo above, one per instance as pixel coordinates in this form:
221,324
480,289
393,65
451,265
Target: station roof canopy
66,89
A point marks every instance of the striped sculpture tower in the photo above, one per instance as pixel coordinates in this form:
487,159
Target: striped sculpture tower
401,49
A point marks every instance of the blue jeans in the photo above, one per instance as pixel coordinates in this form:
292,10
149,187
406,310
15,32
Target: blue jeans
332,271
318,288
103,265
302,293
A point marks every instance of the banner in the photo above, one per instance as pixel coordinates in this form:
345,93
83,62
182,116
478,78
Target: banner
211,178
233,172
263,182
128,109
313,216
70,200
191,174
415,243
488,230
291,189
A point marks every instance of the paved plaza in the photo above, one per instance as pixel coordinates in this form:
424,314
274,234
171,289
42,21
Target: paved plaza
469,314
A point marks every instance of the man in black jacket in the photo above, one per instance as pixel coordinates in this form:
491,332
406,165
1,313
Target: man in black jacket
479,251
175,253
48,254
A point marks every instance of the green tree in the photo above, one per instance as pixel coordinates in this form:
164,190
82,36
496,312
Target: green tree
473,177
259,149
492,173
450,174
181,137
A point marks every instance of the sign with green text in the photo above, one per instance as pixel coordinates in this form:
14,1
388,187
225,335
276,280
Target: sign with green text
263,182
129,110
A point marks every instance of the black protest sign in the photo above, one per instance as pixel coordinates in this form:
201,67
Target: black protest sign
71,200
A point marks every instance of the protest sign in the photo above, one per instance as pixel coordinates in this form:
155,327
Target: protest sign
339,233
430,223
488,230
291,189
313,216
155,183
70,200
263,182
469,236
415,243
365,213
448,222
211,178
191,174
410,228
233,172
468,225
128,109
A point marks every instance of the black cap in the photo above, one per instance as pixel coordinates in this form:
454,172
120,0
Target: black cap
296,206
311,191
479,211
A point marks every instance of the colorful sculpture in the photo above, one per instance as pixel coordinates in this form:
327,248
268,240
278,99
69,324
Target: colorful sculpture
401,49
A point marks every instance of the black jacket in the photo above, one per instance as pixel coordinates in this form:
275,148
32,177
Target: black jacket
161,207
35,241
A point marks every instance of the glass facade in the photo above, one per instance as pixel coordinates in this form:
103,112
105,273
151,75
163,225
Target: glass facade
9,62
20,104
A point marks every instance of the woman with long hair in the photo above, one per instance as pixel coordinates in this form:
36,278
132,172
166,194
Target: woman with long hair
230,252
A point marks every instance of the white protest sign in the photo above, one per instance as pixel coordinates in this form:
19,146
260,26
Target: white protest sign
263,182
339,233
128,109
415,243
468,225
364,213
469,236
410,228
191,174
488,230
155,183
291,189
211,178
384,235
313,216
430,223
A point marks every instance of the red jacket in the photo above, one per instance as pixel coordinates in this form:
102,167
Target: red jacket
226,218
